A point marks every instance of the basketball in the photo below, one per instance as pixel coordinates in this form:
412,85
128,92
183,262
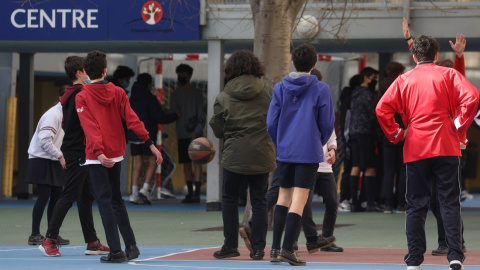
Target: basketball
201,150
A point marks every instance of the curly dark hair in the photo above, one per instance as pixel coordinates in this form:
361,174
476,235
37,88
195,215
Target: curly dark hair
243,62
304,57
425,48
95,63
72,65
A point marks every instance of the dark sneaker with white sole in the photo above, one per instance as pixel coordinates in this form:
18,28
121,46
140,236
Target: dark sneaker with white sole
62,242
35,239
97,249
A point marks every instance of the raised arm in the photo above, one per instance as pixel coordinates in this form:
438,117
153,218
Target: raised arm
406,33
459,47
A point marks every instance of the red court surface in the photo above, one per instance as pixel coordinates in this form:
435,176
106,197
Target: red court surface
350,255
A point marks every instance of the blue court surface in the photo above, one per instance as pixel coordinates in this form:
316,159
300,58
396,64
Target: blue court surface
172,235
17,257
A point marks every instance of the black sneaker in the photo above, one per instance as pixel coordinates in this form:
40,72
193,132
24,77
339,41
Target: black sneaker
401,209
388,210
35,239
290,257
226,253
132,252
332,248
257,255
62,242
274,255
456,265
118,257
196,199
440,251
246,233
322,242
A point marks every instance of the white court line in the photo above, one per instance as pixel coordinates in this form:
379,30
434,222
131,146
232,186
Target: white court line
171,254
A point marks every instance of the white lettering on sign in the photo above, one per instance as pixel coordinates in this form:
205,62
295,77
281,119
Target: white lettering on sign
39,18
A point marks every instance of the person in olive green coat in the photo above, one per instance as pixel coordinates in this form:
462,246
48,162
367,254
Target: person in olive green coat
248,154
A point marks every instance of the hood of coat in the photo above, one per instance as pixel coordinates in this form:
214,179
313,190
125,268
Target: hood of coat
69,90
244,87
102,93
296,83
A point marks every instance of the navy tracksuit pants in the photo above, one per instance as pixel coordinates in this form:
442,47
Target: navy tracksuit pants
421,174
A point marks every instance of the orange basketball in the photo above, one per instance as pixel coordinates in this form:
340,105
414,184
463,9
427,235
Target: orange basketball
201,150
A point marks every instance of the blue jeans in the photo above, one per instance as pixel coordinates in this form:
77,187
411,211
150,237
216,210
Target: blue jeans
257,185
106,185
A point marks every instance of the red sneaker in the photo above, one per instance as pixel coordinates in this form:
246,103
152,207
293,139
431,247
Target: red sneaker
49,247
97,249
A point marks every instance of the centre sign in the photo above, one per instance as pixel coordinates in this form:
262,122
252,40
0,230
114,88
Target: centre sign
99,20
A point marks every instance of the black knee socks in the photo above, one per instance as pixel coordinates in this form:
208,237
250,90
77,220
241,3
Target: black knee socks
190,187
197,188
354,189
279,219
291,227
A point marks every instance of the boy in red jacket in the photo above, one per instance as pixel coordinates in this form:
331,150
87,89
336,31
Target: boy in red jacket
427,98
102,107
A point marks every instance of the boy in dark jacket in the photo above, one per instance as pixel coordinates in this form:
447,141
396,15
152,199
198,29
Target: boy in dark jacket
150,112
102,107
78,187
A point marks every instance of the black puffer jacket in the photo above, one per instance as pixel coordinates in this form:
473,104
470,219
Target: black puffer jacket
362,109
149,110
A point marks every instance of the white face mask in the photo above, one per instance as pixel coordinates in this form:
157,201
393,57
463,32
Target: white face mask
87,80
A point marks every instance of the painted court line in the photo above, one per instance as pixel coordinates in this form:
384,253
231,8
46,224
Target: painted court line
172,254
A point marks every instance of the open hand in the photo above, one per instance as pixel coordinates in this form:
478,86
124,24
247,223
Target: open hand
459,45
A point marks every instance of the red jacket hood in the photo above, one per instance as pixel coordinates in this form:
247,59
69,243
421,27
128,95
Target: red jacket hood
69,90
103,93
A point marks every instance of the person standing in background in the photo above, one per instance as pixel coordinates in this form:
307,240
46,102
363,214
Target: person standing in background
189,102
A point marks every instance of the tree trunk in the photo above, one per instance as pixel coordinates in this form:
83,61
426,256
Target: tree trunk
273,24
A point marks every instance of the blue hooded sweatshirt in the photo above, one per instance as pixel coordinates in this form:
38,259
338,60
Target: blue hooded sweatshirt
301,118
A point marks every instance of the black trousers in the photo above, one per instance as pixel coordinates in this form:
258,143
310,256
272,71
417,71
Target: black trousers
106,186
345,182
421,174
393,165
258,185
78,188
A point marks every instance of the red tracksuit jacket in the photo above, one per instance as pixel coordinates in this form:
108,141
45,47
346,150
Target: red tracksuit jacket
427,98
101,109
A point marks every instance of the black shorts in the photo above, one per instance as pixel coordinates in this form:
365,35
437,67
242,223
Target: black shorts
140,149
300,175
363,151
183,150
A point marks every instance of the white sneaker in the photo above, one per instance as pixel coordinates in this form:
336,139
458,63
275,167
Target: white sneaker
456,265
135,199
344,206
414,268
143,193
167,194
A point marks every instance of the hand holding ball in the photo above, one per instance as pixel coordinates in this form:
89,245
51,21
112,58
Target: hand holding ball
201,150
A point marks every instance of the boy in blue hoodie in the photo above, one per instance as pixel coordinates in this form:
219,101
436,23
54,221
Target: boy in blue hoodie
300,121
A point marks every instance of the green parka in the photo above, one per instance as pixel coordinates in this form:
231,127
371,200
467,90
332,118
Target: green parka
239,118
